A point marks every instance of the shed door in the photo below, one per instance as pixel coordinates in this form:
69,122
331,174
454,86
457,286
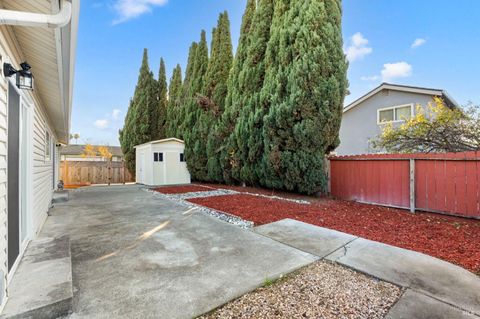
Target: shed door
141,167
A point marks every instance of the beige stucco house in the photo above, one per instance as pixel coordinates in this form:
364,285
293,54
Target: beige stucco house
33,123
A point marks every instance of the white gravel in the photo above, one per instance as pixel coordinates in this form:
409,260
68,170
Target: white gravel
217,192
321,290
237,221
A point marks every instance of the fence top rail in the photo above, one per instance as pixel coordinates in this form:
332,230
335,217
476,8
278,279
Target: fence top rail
463,156
406,159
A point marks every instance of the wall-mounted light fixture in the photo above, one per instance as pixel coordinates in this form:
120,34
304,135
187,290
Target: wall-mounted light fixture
24,76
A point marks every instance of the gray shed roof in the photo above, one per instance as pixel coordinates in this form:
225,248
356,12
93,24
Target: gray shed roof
78,150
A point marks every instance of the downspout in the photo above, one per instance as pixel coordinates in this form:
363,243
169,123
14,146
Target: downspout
28,19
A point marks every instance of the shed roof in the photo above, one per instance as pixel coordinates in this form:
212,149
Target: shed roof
166,140
404,88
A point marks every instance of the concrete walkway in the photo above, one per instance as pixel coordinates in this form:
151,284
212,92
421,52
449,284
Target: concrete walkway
434,288
135,255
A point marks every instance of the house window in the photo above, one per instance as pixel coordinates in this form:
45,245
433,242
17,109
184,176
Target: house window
48,146
395,114
182,157
158,157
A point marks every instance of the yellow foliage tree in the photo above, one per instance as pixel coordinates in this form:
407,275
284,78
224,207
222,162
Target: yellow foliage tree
89,151
435,128
105,152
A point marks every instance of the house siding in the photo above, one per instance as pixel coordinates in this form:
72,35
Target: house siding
359,124
40,185
42,171
3,188
3,178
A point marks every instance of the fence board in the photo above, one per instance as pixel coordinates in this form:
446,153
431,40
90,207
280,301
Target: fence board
94,172
446,183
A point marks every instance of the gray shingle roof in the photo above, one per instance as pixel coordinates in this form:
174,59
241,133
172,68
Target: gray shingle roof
78,150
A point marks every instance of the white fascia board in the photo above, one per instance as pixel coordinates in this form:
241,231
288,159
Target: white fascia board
386,86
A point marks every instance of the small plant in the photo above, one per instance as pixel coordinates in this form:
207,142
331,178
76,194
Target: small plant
268,282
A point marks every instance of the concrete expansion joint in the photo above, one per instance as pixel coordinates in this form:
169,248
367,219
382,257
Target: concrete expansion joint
442,301
344,247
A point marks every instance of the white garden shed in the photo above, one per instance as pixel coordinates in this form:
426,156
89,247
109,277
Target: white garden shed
161,163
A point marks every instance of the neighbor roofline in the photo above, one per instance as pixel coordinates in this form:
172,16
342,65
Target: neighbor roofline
401,88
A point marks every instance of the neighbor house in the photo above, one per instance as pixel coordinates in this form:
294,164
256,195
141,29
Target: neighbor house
37,37
77,153
365,118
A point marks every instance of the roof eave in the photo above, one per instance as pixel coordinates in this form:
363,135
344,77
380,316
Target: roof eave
66,41
402,88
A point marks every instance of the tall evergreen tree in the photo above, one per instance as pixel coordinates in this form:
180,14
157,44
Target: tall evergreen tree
244,146
213,102
305,88
159,114
179,130
174,100
137,129
126,138
218,161
195,86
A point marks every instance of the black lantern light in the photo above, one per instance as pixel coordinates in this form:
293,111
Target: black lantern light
24,76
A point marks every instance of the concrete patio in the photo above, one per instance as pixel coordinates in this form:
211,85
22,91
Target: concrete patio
434,288
135,255
123,252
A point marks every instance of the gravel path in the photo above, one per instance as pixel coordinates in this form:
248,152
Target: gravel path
321,290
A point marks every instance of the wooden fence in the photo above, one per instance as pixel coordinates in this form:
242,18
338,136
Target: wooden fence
443,183
94,172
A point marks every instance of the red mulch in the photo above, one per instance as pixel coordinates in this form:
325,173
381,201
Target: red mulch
456,240
183,189
257,190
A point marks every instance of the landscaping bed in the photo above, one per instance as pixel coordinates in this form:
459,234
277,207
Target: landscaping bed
450,238
183,189
321,290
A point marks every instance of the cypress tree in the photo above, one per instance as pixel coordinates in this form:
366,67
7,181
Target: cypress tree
174,100
196,87
126,142
244,146
137,127
213,103
305,88
160,112
218,160
178,131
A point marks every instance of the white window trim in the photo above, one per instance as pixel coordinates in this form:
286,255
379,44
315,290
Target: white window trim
411,105
48,144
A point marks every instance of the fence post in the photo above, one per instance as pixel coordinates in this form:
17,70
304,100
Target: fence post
412,185
123,171
109,165
328,171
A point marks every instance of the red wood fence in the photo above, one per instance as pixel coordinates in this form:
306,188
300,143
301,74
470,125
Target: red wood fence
446,183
